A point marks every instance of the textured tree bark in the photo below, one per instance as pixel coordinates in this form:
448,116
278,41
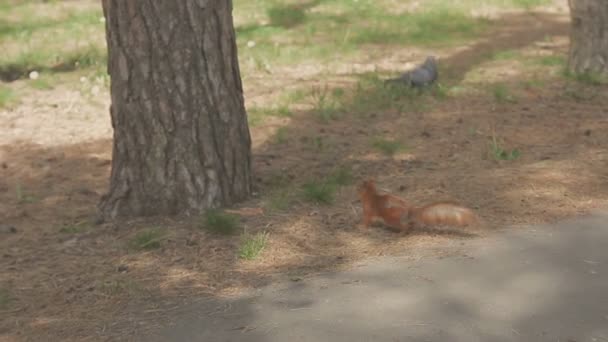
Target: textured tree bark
588,37
181,139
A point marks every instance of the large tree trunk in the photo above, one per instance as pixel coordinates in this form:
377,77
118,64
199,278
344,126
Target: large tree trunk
181,139
589,37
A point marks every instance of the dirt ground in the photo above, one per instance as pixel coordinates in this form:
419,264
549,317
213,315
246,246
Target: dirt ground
69,279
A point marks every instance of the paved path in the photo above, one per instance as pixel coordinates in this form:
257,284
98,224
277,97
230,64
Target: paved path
546,283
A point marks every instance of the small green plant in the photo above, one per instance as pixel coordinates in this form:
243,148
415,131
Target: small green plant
589,78
551,60
499,153
533,83
341,176
118,286
325,106
280,136
220,222
22,197
320,192
252,246
386,146
506,54
5,298
7,96
317,143
440,91
75,228
502,93
529,4
280,198
41,84
286,16
147,239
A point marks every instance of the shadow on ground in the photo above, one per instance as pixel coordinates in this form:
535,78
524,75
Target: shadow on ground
540,285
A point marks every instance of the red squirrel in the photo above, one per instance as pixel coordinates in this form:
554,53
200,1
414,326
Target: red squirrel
399,215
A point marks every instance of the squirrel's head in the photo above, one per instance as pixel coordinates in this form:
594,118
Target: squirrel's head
367,185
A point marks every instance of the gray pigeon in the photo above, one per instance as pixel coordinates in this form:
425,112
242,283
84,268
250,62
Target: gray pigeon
423,75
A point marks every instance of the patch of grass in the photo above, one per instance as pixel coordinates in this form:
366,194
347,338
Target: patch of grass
280,198
506,55
257,115
533,83
5,298
51,61
49,44
119,286
552,60
7,96
320,192
502,93
326,105
497,152
589,78
252,246
75,228
41,83
323,191
342,176
371,94
528,4
286,16
422,28
147,239
219,222
280,136
22,197
386,146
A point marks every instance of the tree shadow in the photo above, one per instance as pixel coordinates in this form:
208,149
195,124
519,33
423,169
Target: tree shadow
526,286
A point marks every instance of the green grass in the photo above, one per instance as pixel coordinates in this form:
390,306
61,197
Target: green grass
286,16
42,83
424,28
552,60
288,34
280,199
506,55
319,192
502,93
326,103
371,94
323,191
528,4
119,286
588,78
281,135
75,228
497,152
74,39
219,222
387,146
23,197
147,239
252,246
5,298
342,176
7,96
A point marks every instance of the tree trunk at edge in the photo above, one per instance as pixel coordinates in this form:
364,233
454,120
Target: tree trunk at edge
181,139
